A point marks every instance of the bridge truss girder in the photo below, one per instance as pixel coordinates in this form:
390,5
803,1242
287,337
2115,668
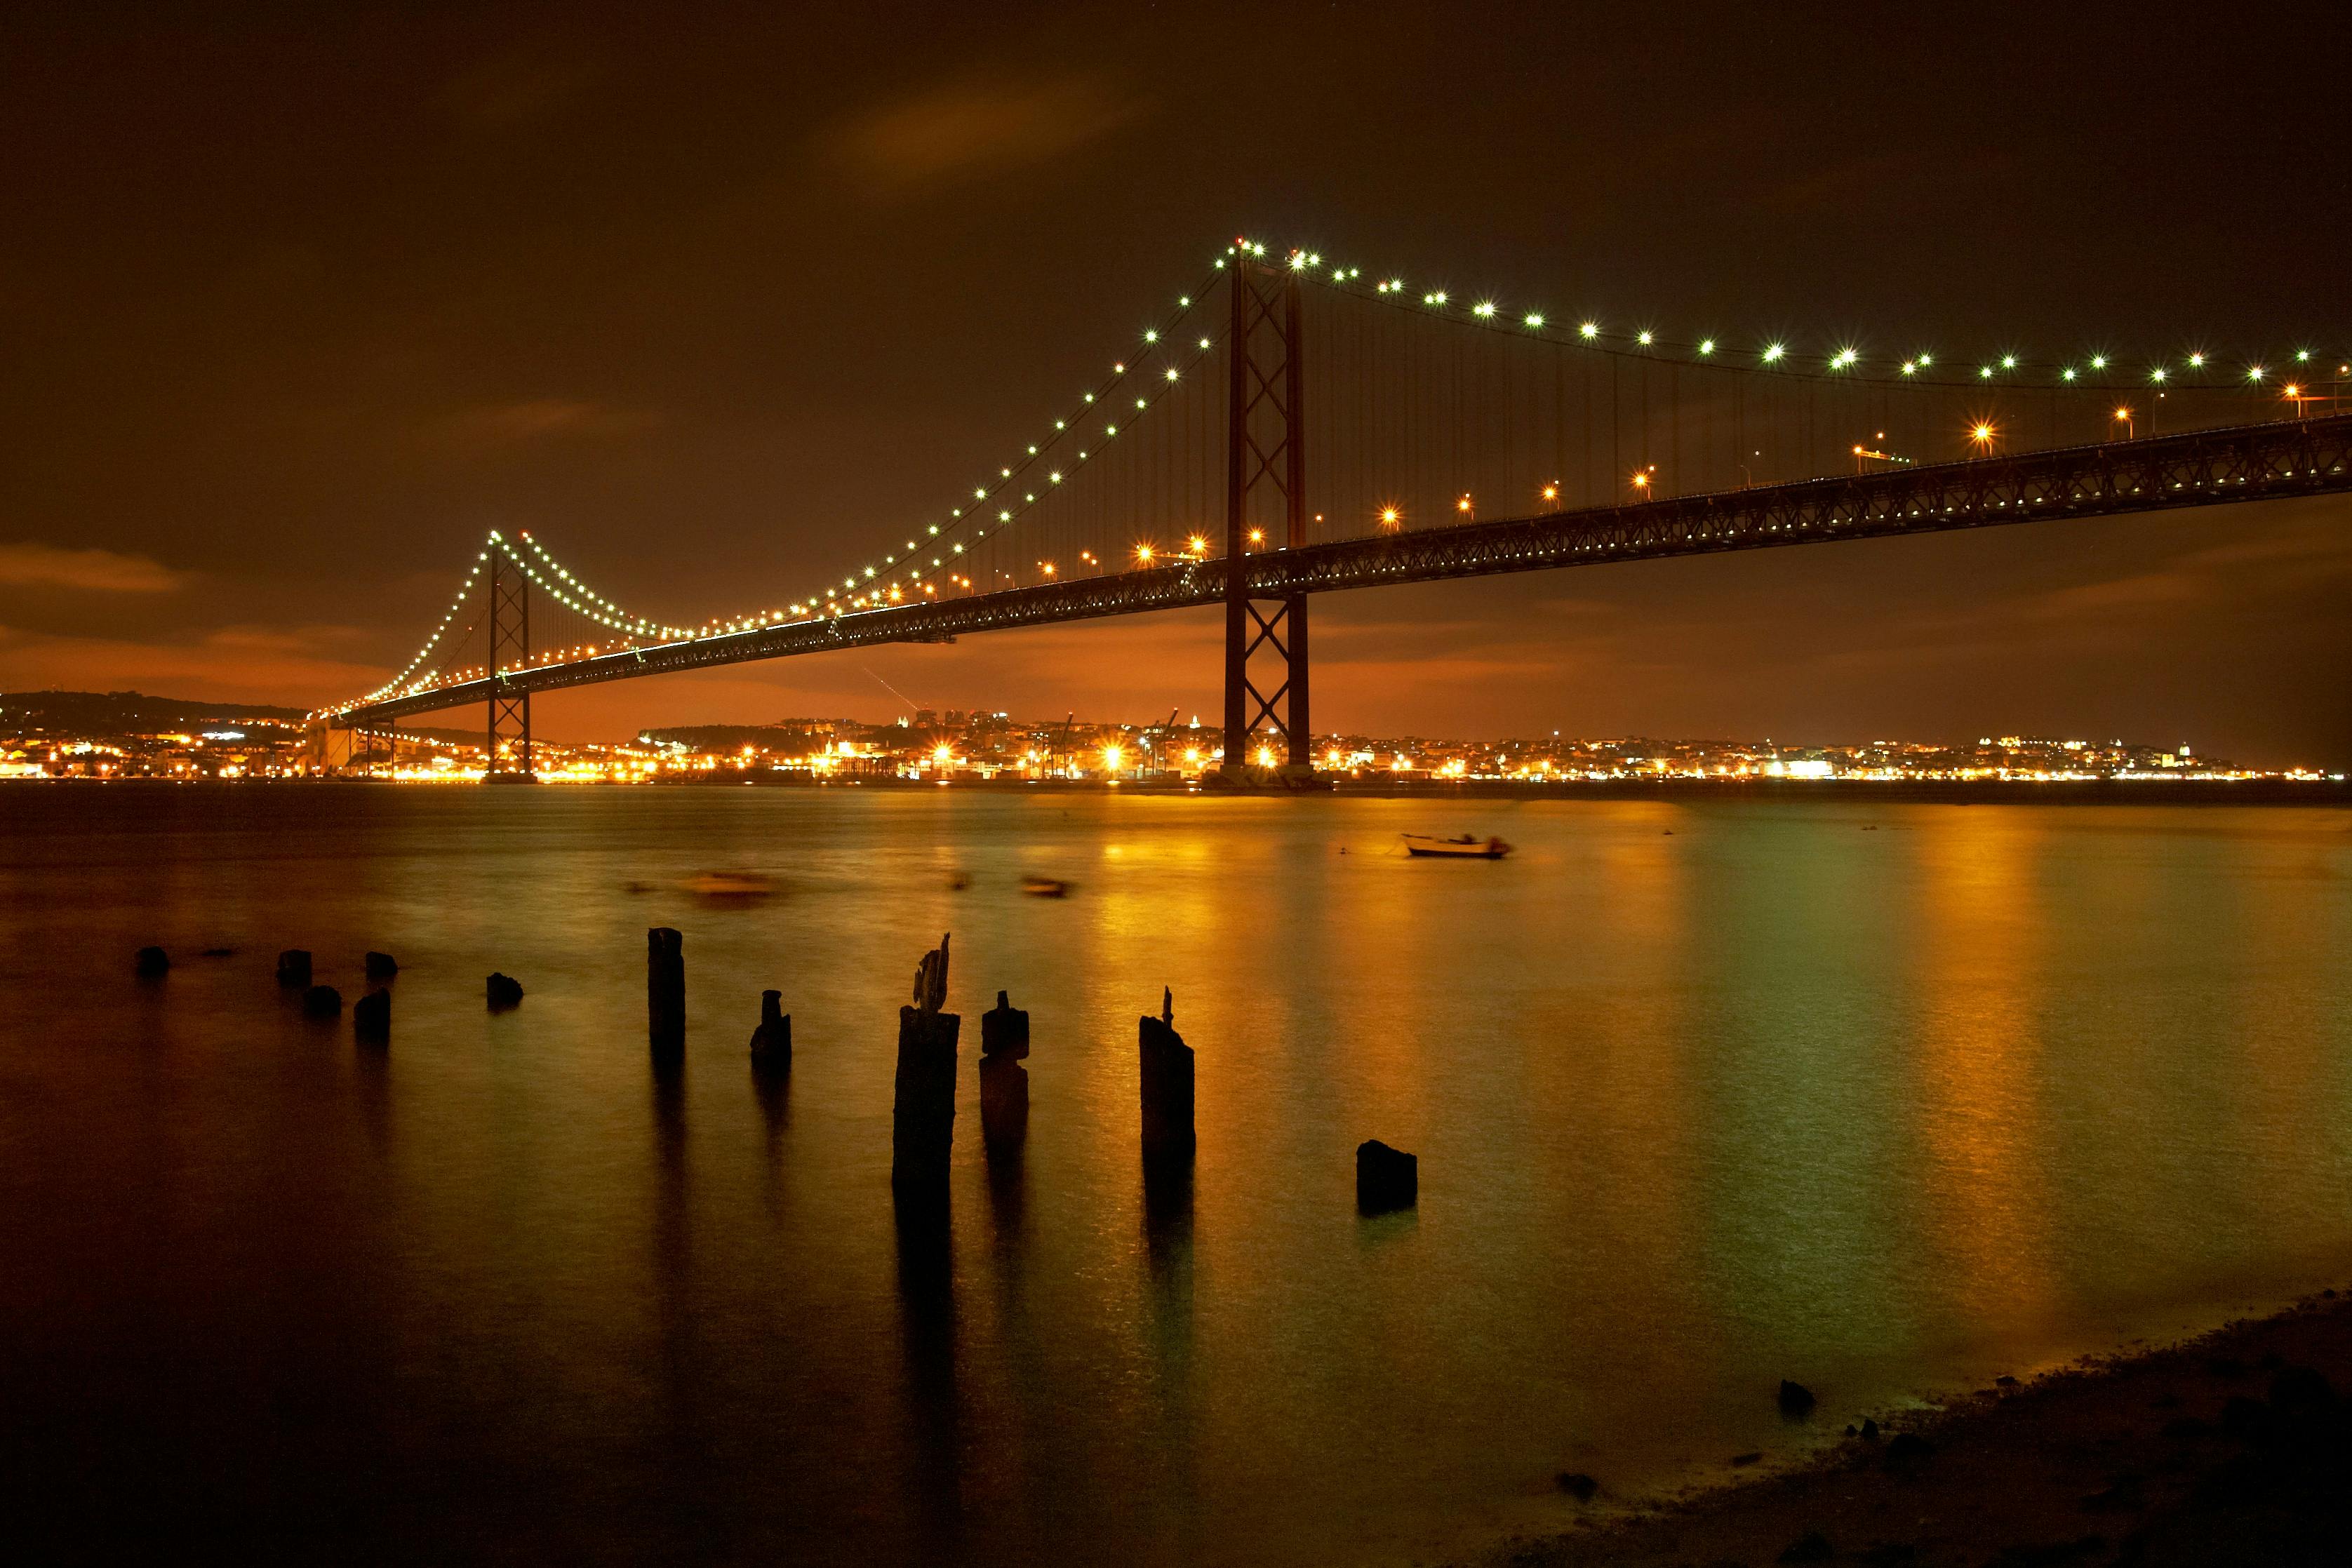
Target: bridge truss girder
2203,468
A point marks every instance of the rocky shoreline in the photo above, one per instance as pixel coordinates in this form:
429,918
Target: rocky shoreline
2234,1447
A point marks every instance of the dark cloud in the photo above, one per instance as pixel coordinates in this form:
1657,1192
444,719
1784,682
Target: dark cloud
975,129
89,570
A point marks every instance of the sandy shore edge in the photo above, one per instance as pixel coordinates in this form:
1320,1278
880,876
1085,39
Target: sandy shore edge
2233,1447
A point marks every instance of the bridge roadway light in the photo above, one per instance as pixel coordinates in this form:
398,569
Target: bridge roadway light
1982,434
1257,536
1391,517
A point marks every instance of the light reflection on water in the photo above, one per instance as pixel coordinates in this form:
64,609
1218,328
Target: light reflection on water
1704,1096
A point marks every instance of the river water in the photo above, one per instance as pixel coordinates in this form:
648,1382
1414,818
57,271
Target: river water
1887,1099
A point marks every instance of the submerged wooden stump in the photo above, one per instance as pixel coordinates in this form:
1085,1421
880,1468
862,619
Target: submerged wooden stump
1005,1030
1386,1178
1004,1081
664,990
372,1019
294,968
771,1042
1167,1085
922,1113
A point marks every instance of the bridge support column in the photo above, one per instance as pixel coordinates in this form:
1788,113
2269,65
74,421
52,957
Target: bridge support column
508,745
1266,455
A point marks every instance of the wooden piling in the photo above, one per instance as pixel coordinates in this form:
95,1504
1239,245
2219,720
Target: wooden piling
771,1042
1004,1081
922,1114
664,990
1167,1083
1386,1178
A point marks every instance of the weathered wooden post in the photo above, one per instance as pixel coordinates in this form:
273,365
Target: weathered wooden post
665,991
294,969
380,967
1167,1075
923,1117
153,963
771,1042
1004,1081
1386,1178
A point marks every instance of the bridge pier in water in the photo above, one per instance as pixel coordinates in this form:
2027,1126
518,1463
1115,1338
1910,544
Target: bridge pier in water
507,747
1265,457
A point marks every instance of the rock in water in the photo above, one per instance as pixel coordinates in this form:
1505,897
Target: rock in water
1005,1030
771,1042
322,1002
381,967
1577,1484
153,963
1167,1083
505,991
1908,1448
372,1019
1386,1178
294,968
1796,1399
1810,1547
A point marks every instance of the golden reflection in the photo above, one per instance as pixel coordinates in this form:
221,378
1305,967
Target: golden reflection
1984,931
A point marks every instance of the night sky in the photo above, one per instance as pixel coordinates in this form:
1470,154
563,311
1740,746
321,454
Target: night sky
295,301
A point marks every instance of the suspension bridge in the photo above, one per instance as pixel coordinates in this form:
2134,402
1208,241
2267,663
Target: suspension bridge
1294,427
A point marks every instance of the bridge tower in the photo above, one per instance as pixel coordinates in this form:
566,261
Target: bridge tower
1265,498
509,725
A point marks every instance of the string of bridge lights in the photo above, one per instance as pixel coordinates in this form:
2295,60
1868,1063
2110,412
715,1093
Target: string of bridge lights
464,588
873,586
1776,356
876,584
597,608
575,595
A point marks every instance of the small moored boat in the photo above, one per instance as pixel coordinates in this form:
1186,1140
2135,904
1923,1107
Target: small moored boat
1044,887
732,884
1461,848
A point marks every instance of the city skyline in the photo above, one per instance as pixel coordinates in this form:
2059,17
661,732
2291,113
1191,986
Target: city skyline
133,735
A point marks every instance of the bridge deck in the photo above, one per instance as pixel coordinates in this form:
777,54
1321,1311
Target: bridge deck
2209,467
